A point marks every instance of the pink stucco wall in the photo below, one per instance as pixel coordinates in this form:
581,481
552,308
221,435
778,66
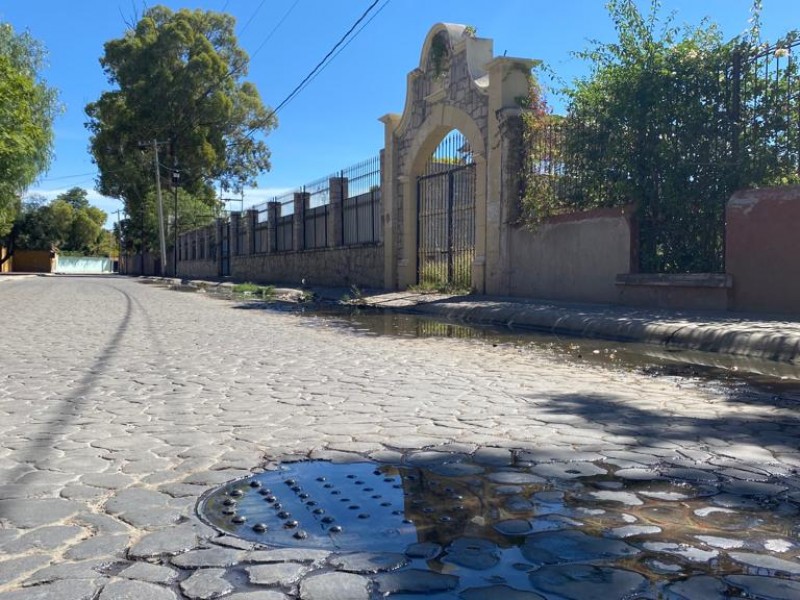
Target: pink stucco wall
762,250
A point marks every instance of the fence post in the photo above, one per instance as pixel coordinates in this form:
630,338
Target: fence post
233,241
337,187
301,202
252,219
273,214
218,241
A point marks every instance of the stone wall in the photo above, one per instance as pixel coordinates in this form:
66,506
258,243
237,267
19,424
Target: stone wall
571,257
198,269
313,250
361,266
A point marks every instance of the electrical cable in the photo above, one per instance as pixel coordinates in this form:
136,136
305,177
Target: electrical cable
319,66
274,29
325,58
355,35
67,177
253,16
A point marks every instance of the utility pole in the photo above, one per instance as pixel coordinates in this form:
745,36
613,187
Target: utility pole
119,240
161,238
162,242
176,180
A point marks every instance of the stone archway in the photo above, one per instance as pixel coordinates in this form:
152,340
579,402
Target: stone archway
459,85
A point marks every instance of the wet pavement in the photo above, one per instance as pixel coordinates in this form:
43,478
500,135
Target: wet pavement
524,470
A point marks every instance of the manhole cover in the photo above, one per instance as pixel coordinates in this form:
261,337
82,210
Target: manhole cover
523,523
361,506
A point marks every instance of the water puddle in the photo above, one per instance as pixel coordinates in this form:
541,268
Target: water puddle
648,358
442,523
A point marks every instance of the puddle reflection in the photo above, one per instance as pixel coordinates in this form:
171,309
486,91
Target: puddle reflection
442,522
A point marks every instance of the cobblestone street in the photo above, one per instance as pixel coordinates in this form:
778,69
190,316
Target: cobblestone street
122,403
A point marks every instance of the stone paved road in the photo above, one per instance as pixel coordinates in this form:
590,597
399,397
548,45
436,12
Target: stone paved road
121,403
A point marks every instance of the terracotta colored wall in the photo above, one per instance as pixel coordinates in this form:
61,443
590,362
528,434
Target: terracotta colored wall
33,261
762,250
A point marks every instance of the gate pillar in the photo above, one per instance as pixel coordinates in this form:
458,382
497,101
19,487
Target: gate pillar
459,84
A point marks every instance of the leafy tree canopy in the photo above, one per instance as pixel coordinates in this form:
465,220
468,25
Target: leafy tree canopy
673,119
178,78
27,109
68,223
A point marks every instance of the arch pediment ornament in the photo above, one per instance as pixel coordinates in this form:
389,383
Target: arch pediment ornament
453,67
450,38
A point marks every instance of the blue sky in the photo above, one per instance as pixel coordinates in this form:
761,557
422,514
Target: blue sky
334,121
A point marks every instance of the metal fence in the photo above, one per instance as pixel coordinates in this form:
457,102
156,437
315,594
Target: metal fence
738,129
260,227
285,227
361,203
315,217
272,226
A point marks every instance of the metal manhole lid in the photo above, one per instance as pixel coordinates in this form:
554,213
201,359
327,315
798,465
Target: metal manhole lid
316,504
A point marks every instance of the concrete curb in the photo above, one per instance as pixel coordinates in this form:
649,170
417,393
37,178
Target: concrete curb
728,334
754,336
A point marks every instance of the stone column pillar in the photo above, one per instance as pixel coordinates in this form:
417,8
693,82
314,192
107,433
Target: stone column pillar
273,214
508,81
233,242
218,241
301,202
389,184
252,219
337,187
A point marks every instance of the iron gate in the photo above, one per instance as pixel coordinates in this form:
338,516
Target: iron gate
446,217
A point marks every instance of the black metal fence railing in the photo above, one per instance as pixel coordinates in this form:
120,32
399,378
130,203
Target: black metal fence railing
285,227
361,202
315,217
342,209
708,137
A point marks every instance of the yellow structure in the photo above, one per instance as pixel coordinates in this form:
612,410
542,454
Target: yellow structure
5,265
34,261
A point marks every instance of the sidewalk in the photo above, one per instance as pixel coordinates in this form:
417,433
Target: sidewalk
765,337
757,336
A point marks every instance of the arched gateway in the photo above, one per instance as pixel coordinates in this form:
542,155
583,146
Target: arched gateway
451,162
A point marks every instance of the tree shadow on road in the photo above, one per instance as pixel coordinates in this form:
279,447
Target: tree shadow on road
764,421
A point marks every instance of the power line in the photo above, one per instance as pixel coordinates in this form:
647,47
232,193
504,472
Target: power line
274,29
355,35
67,177
319,65
253,16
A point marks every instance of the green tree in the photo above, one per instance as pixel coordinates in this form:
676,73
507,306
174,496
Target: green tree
675,120
68,223
178,78
27,109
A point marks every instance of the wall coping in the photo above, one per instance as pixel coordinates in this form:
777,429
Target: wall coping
592,213
695,280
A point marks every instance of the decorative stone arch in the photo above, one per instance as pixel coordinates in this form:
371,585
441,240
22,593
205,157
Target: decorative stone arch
460,85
